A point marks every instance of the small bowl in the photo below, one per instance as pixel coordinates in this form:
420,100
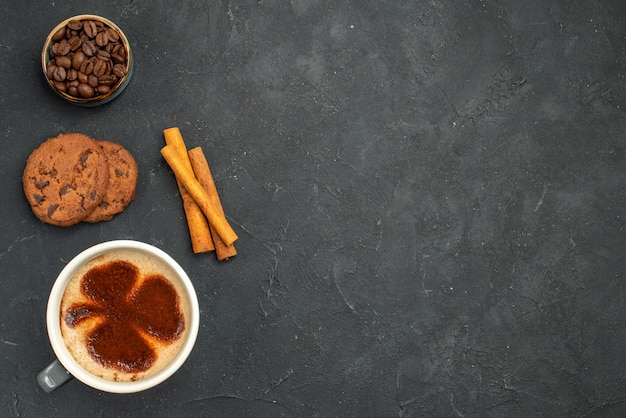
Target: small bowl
115,88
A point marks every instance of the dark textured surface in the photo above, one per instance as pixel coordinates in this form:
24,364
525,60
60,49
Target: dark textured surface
429,197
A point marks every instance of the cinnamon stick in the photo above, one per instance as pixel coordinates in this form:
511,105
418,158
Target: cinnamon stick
203,175
202,199
199,232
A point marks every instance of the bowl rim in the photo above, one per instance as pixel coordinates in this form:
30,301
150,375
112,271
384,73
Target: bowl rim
117,88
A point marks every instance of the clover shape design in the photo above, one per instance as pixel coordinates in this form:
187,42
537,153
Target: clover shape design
130,313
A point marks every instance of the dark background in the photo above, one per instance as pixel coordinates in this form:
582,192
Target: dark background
429,197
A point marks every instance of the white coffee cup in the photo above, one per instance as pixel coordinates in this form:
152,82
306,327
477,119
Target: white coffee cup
65,366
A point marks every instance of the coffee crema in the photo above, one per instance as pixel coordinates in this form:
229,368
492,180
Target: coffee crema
124,315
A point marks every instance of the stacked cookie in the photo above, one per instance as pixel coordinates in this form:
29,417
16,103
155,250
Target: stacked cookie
72,178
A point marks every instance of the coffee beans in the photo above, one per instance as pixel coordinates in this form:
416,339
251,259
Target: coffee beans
86,59
102,39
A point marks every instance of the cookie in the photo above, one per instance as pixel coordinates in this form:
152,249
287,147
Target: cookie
122,182
65,178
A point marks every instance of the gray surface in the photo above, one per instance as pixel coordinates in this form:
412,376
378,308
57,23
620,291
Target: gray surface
429,198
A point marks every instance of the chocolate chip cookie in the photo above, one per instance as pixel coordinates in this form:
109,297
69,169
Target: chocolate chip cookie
65,178
122,182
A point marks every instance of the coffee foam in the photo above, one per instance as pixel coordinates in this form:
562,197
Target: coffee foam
75,338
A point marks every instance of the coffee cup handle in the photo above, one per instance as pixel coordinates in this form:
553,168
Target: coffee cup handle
53,376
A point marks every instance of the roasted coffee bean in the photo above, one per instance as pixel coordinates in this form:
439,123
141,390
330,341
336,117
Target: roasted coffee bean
63,61
99,25
112,35
103,89
59,74
64,47
72,74
50,70
75,42
82,77
85,90
102,39
92,80
89,48
78,58
54,50
72,91
107,79
119,71
86,67
90,28
103,55
59,85
117,49
58,35
118,58
99,68
75,24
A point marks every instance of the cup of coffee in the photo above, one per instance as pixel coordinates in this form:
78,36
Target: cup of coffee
122,317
